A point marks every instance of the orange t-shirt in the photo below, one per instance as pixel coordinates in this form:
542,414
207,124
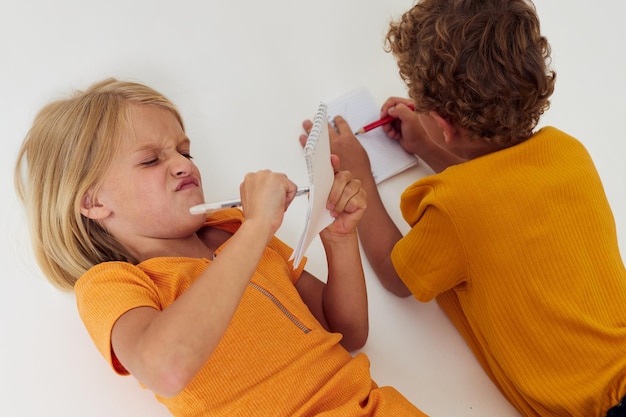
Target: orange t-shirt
274,359
520,249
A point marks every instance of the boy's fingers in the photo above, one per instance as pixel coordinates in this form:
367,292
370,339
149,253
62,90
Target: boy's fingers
341,125
307,125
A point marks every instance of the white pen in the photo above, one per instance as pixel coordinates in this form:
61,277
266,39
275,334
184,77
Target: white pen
206,207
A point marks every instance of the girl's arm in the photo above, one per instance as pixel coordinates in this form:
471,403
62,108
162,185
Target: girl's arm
165,349
341,304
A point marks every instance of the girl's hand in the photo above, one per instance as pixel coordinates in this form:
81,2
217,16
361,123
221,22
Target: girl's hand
347,202
265,195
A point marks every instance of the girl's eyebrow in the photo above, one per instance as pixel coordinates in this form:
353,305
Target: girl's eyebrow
150,146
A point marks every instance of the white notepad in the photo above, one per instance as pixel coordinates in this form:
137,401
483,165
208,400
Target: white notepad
321,177
386,156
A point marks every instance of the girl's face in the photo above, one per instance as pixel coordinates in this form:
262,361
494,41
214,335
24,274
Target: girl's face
151,184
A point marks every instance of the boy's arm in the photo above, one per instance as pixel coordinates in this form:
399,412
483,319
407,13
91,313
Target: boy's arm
379,234
377,231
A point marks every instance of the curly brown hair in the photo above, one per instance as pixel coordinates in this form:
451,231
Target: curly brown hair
481,64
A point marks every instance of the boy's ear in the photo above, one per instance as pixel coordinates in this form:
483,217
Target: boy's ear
446,127
92,209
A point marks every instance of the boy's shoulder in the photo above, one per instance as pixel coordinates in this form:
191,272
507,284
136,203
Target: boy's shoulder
548,149
546,141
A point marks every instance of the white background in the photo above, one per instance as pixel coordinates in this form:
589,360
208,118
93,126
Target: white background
245,74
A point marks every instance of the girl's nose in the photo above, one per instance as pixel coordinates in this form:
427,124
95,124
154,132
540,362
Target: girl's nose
182,166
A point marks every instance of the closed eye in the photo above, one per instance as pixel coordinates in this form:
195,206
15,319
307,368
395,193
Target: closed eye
150,162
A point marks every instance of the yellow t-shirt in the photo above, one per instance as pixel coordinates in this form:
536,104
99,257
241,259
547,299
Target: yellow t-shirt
275,358
520,249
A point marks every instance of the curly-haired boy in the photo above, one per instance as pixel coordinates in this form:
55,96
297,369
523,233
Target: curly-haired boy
513,234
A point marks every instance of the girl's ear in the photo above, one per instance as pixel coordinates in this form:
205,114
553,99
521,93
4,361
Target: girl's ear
446,127
92,209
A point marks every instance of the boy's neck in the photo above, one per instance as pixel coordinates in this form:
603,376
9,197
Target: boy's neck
468,149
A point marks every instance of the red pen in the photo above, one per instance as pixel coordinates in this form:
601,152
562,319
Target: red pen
380,122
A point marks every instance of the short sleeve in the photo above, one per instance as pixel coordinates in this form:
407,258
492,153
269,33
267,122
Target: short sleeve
285,252
430,258
104,294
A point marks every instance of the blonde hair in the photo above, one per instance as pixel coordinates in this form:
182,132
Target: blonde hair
482,64
63,158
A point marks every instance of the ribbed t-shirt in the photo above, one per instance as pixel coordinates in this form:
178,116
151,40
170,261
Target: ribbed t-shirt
275,358
519,247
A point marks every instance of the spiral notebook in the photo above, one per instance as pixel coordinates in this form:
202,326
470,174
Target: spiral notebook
321,176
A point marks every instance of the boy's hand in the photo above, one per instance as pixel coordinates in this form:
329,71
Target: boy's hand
344,144
407,128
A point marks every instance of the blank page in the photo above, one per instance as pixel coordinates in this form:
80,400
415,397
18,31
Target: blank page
387,157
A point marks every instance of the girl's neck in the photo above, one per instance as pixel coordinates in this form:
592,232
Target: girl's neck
201,244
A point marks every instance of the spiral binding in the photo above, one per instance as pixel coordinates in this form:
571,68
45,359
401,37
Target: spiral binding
319,122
